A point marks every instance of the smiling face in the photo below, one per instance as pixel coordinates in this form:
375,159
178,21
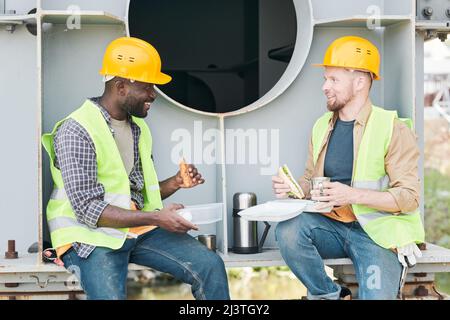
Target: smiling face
342,85
138,99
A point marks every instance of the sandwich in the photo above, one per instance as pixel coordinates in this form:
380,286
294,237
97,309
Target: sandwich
184,171
285,174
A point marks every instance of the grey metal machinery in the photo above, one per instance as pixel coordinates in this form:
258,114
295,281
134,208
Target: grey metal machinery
51,54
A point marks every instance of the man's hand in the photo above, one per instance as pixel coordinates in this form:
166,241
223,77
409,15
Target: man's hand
196,177
50,255
335,194
280,189
170,220
174,183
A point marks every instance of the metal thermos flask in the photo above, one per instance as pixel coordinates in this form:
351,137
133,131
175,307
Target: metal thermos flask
245,233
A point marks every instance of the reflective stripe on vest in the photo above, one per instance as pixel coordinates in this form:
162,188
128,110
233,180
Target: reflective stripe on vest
379,185
68,222
119,200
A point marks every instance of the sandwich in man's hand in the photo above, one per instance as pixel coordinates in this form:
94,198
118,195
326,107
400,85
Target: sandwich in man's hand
184,170
285,174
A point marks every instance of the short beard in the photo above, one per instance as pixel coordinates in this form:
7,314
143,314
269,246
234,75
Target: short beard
337,105
134,107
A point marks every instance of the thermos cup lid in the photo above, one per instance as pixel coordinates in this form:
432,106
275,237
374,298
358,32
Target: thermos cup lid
244,200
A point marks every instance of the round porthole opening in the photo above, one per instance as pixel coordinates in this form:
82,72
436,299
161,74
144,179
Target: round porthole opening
222,55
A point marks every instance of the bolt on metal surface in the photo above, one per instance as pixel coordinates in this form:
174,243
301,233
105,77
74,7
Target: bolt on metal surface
421,291
427,12
11,253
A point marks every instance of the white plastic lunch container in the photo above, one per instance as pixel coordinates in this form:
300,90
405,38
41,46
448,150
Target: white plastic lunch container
202,213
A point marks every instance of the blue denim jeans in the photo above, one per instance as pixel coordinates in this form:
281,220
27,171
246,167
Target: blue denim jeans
309,238
103,274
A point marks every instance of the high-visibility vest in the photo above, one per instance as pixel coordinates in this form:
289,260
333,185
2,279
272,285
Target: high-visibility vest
111,173
384,228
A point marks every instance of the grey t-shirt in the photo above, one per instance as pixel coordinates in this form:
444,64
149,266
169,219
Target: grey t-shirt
339,157
124,140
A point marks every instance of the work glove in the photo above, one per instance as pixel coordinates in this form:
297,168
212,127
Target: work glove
407,255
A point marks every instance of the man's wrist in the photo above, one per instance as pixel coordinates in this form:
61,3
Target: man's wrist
153,218
174,186
358,196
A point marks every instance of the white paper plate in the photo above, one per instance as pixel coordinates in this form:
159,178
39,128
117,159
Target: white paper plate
278,210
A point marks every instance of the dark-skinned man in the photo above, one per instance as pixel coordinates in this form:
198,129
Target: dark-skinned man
106,208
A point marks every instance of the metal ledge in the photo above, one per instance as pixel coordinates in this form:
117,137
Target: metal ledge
17,19
359,21
434,259
86,17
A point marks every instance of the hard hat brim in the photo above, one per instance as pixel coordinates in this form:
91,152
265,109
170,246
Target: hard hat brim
375,77
162,78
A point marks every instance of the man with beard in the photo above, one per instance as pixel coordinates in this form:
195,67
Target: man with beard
371,157
106,207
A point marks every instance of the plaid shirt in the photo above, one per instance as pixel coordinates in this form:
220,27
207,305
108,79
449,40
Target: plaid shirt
75,157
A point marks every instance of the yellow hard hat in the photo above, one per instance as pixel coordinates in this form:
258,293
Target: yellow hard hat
353,53
134,59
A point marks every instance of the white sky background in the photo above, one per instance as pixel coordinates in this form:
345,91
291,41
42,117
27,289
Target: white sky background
436,65
437,57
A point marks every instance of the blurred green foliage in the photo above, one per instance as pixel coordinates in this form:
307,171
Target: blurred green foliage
437,217
437,204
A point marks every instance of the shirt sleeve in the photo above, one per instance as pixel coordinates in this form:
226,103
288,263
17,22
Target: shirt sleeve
76,159
401,164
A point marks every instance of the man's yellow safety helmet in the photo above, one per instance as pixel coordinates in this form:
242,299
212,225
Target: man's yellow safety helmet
353,53
134,59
